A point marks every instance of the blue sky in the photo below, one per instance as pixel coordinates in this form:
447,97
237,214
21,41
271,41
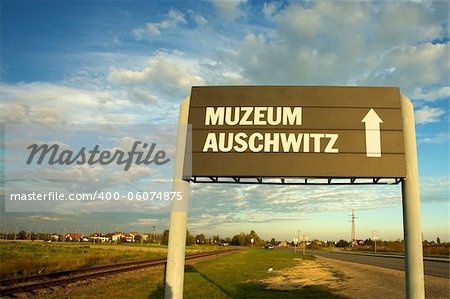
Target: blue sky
132,62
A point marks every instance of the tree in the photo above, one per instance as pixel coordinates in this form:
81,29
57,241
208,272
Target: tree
246,239
23,235
369,242
273,242
190,240
256,239
438,240
216,239
238,240
165,238
200,239
342,243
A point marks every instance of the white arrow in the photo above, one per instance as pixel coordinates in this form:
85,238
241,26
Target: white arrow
373,136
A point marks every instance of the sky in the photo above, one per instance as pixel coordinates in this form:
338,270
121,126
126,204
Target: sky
132,62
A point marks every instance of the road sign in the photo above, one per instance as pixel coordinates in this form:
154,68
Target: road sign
375,234
295,241
296,131
379,100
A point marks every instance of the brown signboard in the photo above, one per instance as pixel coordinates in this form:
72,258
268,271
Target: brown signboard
296,131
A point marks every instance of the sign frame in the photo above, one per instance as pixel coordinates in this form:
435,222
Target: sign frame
308,167
414,270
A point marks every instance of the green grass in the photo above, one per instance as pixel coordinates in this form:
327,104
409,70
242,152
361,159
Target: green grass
238,276
19,259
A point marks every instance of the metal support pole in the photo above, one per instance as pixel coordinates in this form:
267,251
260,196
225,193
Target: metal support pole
411,208
304,245
178,215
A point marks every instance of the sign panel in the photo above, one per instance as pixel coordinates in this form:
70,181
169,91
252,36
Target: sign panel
375,234
296,131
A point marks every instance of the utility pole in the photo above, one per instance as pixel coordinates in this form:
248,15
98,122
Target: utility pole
304,244
154,236
353,237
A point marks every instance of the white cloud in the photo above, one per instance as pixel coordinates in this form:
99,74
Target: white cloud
431,95
200,20
153,29
173,19
78,173
229,9
426,115
434,189
419,65
168,71
43,217
135,172
138,33
439,138
145,222
51,103
56,103
415,23
343,43
269,9
141,95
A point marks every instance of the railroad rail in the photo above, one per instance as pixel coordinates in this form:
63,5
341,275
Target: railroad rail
42,281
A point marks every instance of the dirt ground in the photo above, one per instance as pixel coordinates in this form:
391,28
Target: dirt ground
305,273
353,280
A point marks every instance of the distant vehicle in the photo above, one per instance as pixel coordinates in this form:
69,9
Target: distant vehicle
268,246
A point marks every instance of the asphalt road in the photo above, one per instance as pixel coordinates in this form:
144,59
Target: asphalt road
431,267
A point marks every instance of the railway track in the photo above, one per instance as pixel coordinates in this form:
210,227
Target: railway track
42,281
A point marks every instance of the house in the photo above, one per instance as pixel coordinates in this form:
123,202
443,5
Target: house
129,237
55,237
99,238
72,237
116,237
283,244
317,242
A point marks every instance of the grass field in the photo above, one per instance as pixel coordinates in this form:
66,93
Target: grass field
27,258
237,275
